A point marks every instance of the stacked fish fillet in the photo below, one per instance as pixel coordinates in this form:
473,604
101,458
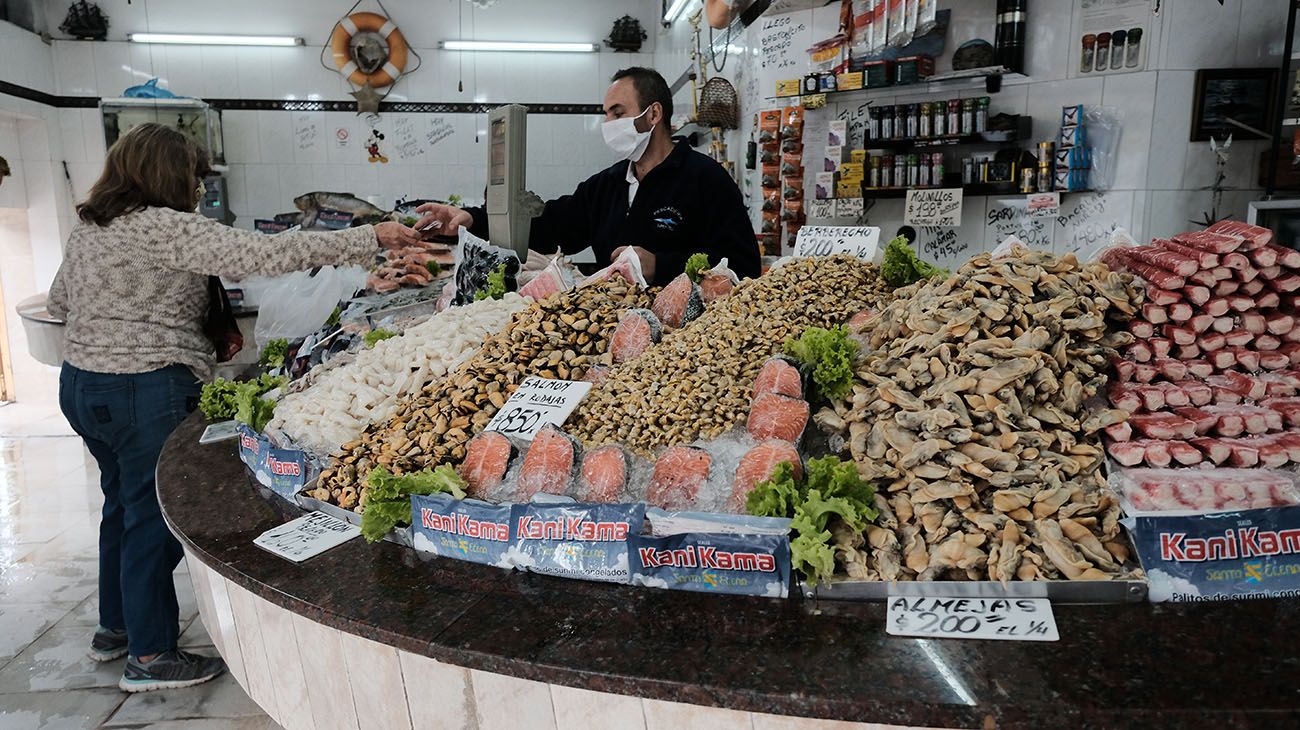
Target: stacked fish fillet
1214,374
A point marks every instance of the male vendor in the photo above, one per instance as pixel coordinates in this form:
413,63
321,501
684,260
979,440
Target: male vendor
664,200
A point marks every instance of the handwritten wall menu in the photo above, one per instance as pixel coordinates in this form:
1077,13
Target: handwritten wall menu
406,141
306,131
945,247
782,44
1086,222
1011,217
436,130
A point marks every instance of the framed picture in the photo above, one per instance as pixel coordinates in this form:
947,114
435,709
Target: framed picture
1236,101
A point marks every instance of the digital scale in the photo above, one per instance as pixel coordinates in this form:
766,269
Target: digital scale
510,207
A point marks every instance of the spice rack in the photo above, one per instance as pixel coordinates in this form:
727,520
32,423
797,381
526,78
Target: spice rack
977,190
974,78
1023,132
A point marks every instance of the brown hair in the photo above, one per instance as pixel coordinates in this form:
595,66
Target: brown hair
149,166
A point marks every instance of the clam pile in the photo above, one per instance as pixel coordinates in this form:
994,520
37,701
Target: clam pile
697,382
562,336
971,412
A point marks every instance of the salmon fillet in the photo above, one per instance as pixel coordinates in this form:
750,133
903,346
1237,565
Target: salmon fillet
757,466
604,474
637,330
778,376
775,416
678,303
487,458
548,465
678,476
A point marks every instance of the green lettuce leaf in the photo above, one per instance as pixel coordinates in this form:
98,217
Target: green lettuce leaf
387,500
696,265
274,353
901,266
776,497
829,354
373,336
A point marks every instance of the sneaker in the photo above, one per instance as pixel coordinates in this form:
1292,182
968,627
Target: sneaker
108,644
169,670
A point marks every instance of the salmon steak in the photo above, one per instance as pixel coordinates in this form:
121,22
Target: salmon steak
678,303
603,475
757,465
715,286
487,458
775,416
548,465
637,330
778,376
678,476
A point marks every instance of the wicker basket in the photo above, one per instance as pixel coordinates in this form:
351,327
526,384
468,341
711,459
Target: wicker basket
719,104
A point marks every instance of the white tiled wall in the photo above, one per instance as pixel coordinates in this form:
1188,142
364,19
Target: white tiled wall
1157,189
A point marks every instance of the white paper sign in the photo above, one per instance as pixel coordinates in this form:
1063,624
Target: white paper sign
848,207
1015,619
820,210
537,402
933,207
219,432
859,241
307,536
1011,217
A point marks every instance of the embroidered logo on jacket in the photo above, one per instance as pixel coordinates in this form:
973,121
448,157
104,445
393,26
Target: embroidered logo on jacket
667,218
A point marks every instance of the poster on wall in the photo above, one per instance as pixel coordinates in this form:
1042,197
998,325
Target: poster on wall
1110,37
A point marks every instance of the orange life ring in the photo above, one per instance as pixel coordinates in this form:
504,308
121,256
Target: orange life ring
720,12
372,23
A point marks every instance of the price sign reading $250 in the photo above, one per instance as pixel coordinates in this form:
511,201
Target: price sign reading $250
537,402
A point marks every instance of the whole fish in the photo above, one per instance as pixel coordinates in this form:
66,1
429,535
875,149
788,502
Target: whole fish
311,203
149,90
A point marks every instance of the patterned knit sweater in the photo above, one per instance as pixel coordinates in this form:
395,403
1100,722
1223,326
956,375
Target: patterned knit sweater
134,293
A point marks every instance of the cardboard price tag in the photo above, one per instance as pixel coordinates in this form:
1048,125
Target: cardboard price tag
307,536
933,207
820,209
859,241
848,207
537,402
1015,619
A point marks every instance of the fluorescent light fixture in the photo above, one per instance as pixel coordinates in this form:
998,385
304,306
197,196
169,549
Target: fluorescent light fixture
518,46
674,10
215,40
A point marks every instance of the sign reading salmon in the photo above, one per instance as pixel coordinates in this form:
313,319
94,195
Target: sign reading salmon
537,402
937,207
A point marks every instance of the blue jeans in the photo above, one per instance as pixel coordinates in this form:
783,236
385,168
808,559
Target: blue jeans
124,420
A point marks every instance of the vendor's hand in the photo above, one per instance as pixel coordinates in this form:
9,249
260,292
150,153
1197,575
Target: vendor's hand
647,260
448,217
394,235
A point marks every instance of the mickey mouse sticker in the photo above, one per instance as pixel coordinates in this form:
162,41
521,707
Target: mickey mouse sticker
372,146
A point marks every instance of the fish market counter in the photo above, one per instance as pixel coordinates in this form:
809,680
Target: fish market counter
380,636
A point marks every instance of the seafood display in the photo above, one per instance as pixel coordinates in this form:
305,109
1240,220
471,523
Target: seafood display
342,401
417,265
698,381
970,412
559,337
1214,376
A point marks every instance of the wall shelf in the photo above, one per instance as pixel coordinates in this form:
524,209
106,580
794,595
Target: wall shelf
1022,133
972,78
976,190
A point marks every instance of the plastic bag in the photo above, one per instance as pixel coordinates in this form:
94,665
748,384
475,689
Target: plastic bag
476,259
861,34
1204,490
627,265
298,304
879,25
898,35
1105,125
718,282
927,16
557,276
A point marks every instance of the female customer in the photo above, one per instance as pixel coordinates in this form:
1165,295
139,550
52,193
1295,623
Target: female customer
133,289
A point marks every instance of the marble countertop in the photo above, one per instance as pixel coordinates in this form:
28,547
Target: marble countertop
1116,666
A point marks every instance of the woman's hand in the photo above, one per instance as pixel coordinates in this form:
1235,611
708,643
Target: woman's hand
394,235
445,220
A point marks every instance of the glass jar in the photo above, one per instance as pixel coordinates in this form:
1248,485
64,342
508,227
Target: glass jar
968,116
900,120
900,171
940,112
968,171
873,172
954,117
913,171
923,130
982,114
886,171
887,122
913,121
937,169
873,123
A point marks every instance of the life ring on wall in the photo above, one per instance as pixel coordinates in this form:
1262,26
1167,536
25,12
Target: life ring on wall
720,12
388,69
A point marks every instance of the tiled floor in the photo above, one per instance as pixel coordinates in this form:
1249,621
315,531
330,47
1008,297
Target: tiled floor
49,507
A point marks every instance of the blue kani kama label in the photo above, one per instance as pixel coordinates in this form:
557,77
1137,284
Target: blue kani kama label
754,565
465,529
586,541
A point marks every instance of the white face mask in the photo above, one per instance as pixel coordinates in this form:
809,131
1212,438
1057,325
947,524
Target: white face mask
623,138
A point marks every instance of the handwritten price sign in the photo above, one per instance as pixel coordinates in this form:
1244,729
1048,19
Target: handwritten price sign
859,241
1014,619
939,207
307,536
537,402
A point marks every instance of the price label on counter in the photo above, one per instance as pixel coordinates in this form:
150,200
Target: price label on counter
859,241
537,402
1016,619
933,207
307,536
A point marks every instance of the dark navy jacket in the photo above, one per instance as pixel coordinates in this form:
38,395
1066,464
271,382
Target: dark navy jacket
687,204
